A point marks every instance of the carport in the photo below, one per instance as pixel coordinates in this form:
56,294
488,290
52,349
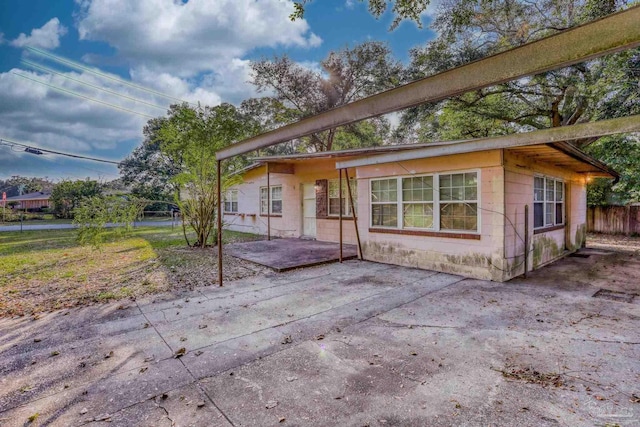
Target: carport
614,33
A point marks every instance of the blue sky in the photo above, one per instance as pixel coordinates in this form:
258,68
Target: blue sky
196,50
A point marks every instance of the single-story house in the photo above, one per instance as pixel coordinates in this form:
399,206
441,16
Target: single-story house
455,207
30,202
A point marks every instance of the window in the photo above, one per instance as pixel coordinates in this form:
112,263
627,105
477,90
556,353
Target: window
231,201
459,201
276,200
452,207
384,202
334,197
417,202
548,202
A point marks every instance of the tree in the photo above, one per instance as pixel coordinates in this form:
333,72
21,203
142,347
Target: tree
67,195
346,76
193,135
148,170
622,153
402,9
93,214
470,30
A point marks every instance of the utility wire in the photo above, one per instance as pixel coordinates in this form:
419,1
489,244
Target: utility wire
48,70
98,73
83,96
11,144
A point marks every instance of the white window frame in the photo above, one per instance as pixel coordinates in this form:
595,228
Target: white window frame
433,202
271,200
545,202
436,202
229,197
348,209
372,203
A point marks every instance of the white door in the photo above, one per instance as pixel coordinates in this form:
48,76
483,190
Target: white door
309,210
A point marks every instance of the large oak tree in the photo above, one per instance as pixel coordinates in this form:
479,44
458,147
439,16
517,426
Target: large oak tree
344,76
473,29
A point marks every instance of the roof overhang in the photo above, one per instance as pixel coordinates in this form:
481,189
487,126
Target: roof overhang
559,137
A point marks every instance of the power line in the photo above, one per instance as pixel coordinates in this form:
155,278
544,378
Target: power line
98,73
83,96
48,70
35,150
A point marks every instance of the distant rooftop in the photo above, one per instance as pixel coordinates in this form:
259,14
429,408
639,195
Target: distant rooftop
38,195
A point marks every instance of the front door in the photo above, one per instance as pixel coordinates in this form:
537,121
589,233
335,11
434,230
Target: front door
309,210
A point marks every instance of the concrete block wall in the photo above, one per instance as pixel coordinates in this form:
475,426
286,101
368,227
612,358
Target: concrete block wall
328,230
549,245
482,258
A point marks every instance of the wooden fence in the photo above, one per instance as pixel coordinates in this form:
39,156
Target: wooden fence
614,219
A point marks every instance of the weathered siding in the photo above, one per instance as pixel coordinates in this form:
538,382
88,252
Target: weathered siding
548,245
614,219
481,258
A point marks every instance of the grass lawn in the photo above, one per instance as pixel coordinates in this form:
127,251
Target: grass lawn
48,270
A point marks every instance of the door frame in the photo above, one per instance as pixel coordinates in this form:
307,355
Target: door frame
303,185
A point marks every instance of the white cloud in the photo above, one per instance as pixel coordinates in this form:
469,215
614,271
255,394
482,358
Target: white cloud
46,37
194,50
193,37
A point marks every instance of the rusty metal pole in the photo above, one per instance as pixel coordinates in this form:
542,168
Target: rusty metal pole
219,194
340,208
268,205
353,213
526,240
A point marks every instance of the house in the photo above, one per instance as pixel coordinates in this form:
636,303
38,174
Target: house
29,202
459,207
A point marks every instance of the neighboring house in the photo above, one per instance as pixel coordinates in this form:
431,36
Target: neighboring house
452,207
30,202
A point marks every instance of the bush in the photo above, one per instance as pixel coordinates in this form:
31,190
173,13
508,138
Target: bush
94,213
9,215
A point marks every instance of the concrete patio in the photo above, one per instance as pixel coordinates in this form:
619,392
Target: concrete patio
288,254
349,344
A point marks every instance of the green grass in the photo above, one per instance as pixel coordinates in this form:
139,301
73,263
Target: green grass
45,270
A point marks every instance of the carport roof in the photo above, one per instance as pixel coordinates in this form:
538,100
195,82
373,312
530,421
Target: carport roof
560,154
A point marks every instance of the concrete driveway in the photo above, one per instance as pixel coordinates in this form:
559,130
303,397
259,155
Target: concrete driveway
353,344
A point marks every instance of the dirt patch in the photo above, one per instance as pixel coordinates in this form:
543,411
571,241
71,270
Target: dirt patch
613,242
608,262
188,268
532,376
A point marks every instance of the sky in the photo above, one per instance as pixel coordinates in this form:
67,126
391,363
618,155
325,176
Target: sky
155,52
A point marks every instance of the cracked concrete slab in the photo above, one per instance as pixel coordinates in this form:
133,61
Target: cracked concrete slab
348,344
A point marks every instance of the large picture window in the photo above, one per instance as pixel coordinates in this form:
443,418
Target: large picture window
334,197
231,201
548,202
439,202
275,199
